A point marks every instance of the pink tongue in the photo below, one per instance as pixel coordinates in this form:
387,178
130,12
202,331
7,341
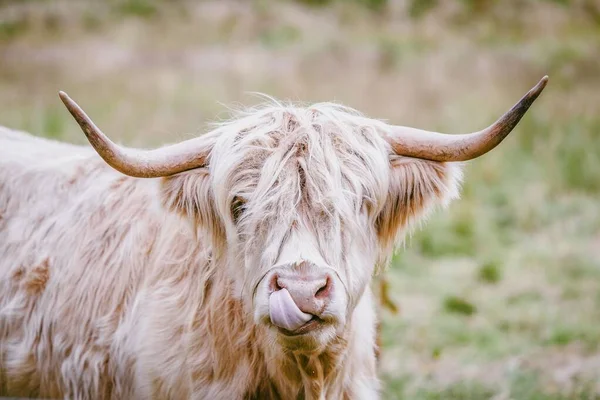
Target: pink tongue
284,312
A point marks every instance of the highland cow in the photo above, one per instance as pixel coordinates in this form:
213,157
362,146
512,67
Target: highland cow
234,265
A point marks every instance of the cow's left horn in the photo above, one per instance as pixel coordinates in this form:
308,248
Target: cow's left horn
435,146
165,161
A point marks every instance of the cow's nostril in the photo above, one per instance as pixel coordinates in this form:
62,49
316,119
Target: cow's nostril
274,284
323,291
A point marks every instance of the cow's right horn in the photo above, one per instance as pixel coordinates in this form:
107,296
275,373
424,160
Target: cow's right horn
417,143
168,160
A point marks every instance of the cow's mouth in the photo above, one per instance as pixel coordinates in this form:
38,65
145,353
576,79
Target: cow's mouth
313,324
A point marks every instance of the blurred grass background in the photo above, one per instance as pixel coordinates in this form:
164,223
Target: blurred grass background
499,295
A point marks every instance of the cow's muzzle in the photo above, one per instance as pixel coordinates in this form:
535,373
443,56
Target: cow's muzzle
299,296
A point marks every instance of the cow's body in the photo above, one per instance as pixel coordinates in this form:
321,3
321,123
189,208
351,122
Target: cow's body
101,294
240,269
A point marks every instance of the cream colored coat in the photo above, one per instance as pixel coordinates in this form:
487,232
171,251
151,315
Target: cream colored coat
117,287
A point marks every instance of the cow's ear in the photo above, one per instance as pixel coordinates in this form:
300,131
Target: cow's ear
190,194
416,187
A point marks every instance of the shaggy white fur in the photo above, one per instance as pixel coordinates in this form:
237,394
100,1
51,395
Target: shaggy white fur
117,287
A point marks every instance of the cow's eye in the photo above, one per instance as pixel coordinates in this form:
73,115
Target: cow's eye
237,208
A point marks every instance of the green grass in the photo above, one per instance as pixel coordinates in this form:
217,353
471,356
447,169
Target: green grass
490,272
522,386
500,293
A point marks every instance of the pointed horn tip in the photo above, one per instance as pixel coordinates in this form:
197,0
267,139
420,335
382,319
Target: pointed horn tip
67,101
63,96
540,85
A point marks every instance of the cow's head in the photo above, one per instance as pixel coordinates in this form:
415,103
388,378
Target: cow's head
302,204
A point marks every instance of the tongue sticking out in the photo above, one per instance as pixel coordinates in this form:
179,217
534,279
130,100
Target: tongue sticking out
284,312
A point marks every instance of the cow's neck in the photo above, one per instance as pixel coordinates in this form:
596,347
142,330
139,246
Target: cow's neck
276,373
310,376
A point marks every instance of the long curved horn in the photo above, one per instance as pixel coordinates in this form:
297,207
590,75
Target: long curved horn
168,160
435,146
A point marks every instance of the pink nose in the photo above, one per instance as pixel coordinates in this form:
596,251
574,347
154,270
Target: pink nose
311,292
